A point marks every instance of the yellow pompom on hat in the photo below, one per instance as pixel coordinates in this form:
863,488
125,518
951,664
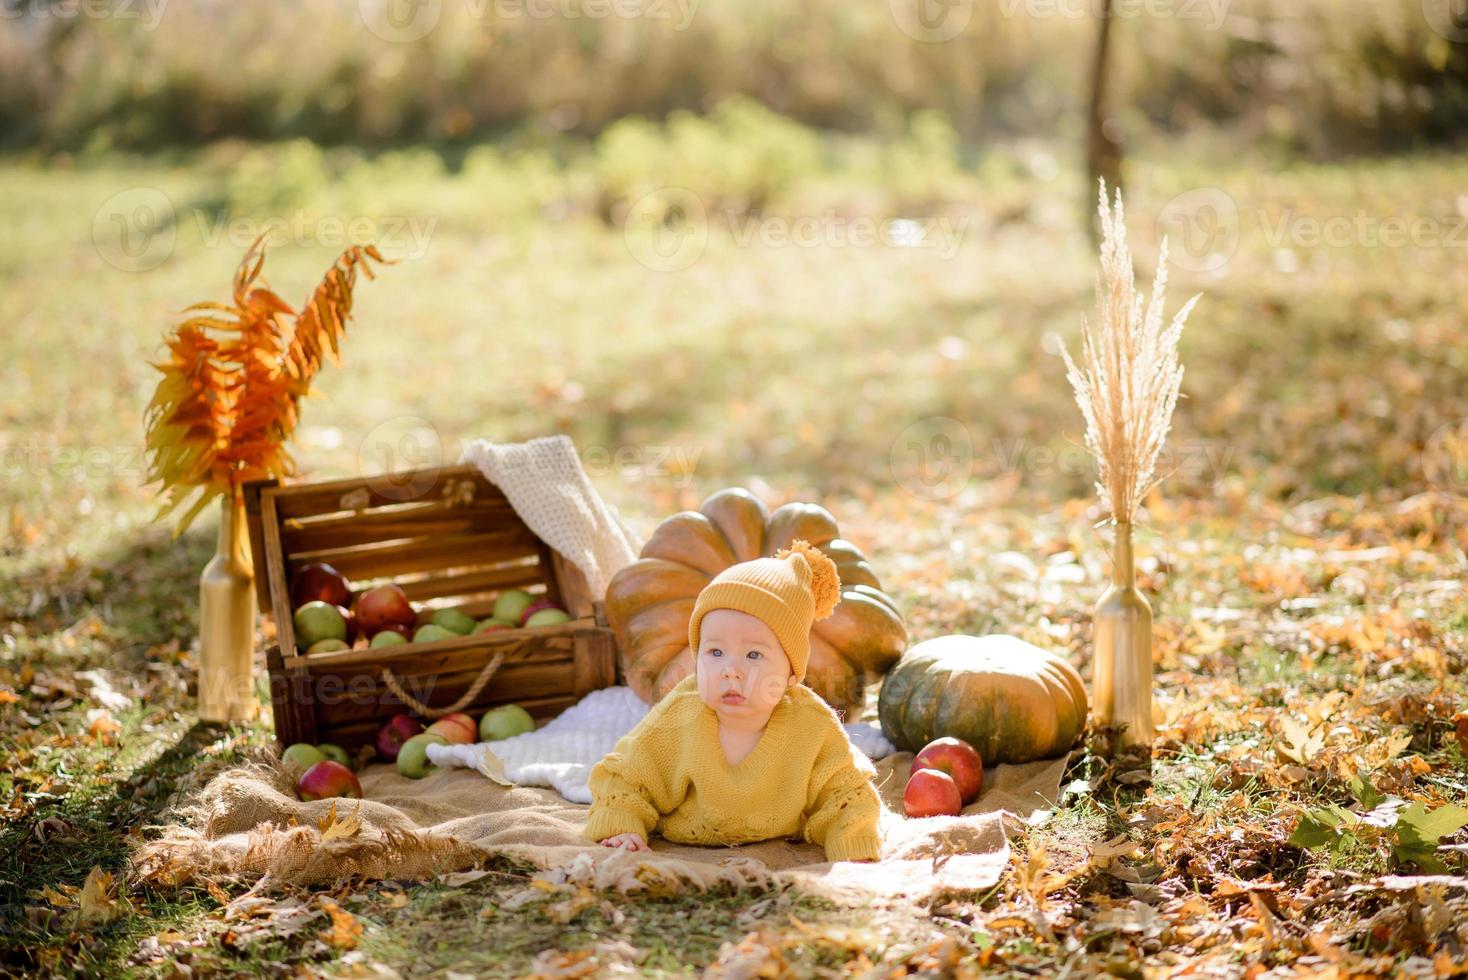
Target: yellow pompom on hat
787,592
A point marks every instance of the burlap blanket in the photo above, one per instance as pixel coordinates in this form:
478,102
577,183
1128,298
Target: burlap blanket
248,823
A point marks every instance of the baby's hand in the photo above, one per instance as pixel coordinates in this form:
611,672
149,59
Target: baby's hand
630,842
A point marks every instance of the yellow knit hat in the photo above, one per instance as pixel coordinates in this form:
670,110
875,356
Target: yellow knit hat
787,592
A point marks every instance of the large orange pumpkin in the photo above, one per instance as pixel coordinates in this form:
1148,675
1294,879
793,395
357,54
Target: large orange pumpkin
650,601
1011,700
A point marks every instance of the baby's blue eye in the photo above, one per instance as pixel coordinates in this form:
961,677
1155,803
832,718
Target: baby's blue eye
754,654
715,652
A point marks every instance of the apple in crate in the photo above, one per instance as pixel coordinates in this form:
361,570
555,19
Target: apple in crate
931,793
510,605
350,618
391,736
456,729
319,581
382,606
331,645
454,620
491,624
328,779
535,607
389,637
317,621
432,633
413,756
547,617
506,721
958,759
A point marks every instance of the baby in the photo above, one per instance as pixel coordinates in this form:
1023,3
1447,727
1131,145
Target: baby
743,751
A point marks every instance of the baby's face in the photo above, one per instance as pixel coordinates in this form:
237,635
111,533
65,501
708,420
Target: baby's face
742,669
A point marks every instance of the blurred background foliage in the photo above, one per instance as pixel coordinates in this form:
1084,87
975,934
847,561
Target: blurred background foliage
1315,77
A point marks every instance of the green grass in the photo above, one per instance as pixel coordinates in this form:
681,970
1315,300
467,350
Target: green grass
800,369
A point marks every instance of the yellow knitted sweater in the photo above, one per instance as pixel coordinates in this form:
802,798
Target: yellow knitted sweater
803,778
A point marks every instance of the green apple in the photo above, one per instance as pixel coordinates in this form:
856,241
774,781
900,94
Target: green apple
432,632
299,757
454,620
335,753
485,625
317,621
506,721
413,756
387,638
548,617
331,645
511,603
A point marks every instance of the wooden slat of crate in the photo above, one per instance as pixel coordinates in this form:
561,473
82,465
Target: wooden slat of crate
552,637
424,554
349,697
309,500
343,530
356,733
494,579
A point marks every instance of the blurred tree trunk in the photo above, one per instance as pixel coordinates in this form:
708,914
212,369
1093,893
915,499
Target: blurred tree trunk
1103,152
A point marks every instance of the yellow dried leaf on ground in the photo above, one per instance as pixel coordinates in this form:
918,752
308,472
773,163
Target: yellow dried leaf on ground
95,902
345,929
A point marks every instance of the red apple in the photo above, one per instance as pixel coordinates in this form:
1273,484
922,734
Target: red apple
382,606
319,580
958,759
931,793
391,736
457,729
327,779
351,621
535,607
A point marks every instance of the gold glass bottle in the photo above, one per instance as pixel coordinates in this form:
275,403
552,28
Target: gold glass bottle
1123,649
227,622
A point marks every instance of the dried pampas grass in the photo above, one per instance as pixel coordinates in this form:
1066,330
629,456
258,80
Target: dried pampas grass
1128,381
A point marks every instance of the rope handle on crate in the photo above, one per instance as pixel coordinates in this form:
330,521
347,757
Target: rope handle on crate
467,698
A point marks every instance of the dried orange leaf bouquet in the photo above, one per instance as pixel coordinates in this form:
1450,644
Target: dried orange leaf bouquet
231,388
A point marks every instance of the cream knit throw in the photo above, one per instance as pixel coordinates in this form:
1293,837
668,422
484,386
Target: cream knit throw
548,488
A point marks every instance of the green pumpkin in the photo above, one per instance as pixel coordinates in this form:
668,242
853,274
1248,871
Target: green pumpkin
1009,699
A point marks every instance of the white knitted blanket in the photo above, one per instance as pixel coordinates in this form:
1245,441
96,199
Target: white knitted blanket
561,754
547,485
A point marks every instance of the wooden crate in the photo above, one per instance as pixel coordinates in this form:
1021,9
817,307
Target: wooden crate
447,536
